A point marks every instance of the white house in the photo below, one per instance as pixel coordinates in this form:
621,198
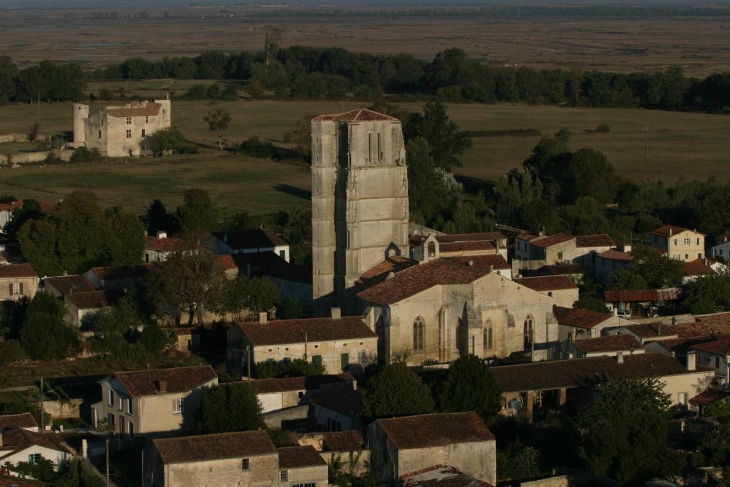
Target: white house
250,242
20,445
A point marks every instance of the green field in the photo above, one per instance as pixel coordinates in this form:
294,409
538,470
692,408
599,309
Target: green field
689,145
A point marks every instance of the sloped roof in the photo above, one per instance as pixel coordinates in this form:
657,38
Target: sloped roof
470,237
136,271
715,347
651,330
359,115
134,110
432,430
214,447
288,384
560,270
93,299
416,279
549,241
299,457
250,239
256,260
17,439
697,268
168,244
441,476
13,271
709,396
141,383
346,403
547,283
486,262
598,240
289,272
468,246
342,441
610,343
22,420
671,230
579,318
69,284
11,206
616,255
379,272
649,295
281,332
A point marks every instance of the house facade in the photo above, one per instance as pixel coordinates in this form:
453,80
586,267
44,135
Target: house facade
250,242
608,262
17,281
579,324
722,249
6,212
153,401
160,247
678,243
20,445
561,288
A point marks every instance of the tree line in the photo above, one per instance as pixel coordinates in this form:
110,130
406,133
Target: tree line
314,73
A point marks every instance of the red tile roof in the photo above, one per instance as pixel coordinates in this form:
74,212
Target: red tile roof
466,246
11,206
281,332
599,240
715,347
487,262
22,420
441,476
549,241
165,244
255,260
289,384
136,271
69,284
419,278
342,441
17,439
379,272
670,230
433,430
346,403
359,115
561,270
697,267
250,239
135,109
610,343
616,255
14,271
204,448
547,283
300,457
651,330
579,318
709,396
179,379
93,299
650,295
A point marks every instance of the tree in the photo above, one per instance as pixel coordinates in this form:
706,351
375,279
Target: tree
233,407
154,339
198,214
626,431
430,192
271,45
167,140
469,386
44,334
218,122
246,298
591,303
709,294
657,270
445,140
627,280
158,219
31,210
396,391
292,308
291,368
126,238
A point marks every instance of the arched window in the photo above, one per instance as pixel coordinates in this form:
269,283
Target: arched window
488,336
418,334
529,331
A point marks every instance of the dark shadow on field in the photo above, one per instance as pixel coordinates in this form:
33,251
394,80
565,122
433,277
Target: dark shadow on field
473,185
292,190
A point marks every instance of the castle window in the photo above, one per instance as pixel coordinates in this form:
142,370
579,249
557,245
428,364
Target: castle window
100,134
129,134
380,153
529,331
129,120
146,119
143,133
101,122
488,336
418,333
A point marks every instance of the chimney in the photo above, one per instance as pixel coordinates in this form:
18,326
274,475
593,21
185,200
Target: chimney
1,437
263,317
335,313
627,248
161,386
670,232
161,234
691,361
147,366
620,357
542,232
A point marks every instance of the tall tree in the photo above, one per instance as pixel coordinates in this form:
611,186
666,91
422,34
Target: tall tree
446,141
233,407
198,214
218,122
126,238
271,45
469,386
396,391
44,334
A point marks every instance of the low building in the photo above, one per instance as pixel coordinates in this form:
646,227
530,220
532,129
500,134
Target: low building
118,277
608,346
608,262
561,249
563,291
345,446
302,466
722,249
80,305
250,242
186,339
17,281
678,243
637,302
6,212
578,324
153,401
400,447
287,392
715,354
60,286
440,475
338,410
160,247
23,421
437,245
339,344
696,269
20,445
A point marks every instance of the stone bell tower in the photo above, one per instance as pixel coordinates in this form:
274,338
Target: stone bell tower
359,200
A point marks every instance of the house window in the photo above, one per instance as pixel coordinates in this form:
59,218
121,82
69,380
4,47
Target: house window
101,122
121,404
110,418
675,241
143,133
488,337
16,289
129,120
529,331
344,361
418,329
130,429
317,360
698,240
111,398
370,147
129,406
244,464
100,134
686,256
34,458
177,405
129,134
146,119
282,254
687,241
560,256
699,256
380,154
284,476
306,484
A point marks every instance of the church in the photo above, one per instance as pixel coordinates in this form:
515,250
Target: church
429,297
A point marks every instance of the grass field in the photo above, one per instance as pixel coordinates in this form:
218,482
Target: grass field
688,145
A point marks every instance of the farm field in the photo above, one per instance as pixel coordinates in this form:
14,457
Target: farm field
681,145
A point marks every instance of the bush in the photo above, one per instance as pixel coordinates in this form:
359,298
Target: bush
603,128
106,95
294,368
33,131
11,352
255,147
82,154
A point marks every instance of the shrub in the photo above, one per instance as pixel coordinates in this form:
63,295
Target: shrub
82,154
255,147
603,128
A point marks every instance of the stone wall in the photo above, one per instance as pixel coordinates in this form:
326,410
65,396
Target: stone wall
10,138
275,419
59,410
21,158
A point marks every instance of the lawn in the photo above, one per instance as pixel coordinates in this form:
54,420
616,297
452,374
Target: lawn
688,145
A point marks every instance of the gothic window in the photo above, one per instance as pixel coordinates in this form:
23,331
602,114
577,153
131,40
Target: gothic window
380,150
529,330
488,336
418,334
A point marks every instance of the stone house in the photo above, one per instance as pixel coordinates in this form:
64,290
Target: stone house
696,269
337,409
339,344
118,277
250,242
153,401
406,445
561,288
80,305
346,446
577,324
636,302
246,458
120,131
440,310
608,262
23,421
20,445
561,249
287,392
17,281
159,247
678,243
606,346
715,354
60,286
437,245
186,339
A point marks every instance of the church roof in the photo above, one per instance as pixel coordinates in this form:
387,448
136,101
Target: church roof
359,115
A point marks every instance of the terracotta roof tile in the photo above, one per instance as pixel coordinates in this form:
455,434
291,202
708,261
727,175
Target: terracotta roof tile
549,241
94,299
16,439
136,109
471,237
11,206
709,396
214,447
616,255
651,330
170,244
486,262
527,236
255,260
22,420
359,115
599,240
317,329
472,246
379,272
136,271
419,278
347,403
697,268
670,230
561,270
610,343
432,430
141,383
288,384
715,347
342,441
299,457
250,239
69,284
649,295
580,318
547,283
13,271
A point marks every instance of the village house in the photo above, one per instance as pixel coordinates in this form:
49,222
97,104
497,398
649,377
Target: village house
160,247
678,243
249,265
578,324
346,446
246,458
338,409
6,212
606,346
120,131
437,245
644,302
21,445
696,269
186,339
17,281
118,277
559,248
287,392
570,383
721,250
440,310
339,344
23,421
400,447
563,291
80,305
608,262
250,242
153,401
60,286
715,354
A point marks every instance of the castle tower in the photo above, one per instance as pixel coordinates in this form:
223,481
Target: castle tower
359,199
80,114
